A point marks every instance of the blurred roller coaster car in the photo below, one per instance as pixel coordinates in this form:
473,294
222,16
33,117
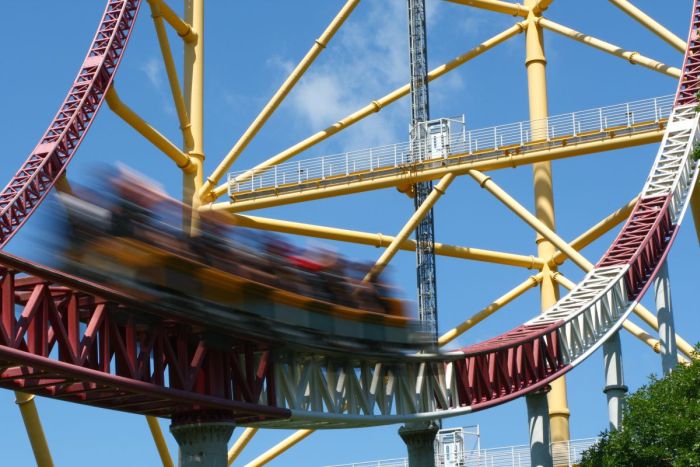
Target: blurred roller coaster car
250,285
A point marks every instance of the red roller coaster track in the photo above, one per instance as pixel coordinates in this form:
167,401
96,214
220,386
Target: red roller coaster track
80,342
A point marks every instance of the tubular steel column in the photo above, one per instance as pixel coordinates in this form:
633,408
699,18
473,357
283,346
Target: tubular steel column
615,388
194,101
536,63
540,455
664,313
203,440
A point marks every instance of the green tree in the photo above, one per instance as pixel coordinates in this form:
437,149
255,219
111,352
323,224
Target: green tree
660,425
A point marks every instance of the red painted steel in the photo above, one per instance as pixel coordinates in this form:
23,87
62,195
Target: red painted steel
510,365
50,157
61,341
689,84
68,339
641,242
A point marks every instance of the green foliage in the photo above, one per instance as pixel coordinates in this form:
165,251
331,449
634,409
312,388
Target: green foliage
661,426
696,152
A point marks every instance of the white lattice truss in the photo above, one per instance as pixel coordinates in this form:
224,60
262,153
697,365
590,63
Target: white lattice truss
344,391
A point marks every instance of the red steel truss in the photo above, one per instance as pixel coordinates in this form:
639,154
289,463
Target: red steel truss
63,340
49,159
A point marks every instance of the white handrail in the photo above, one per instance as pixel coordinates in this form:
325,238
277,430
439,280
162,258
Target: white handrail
581,124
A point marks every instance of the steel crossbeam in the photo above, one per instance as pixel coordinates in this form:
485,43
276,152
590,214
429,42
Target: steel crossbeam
60,341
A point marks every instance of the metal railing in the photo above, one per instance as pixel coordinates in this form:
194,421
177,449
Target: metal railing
563,454
583,125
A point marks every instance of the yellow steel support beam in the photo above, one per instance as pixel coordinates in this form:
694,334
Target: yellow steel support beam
183,28
499,6
536,66
147,131
629,326
494,306
374,106
275,451
171,71
409,227
539,6
194,101
539,226
35,432
564,247
651,24
63,185
274,102
411,177
159,440
240,444
597,231
380,240
632,57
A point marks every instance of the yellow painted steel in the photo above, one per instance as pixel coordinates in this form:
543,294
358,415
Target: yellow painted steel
632,57
539,6
494,306
380,240
597,231
318,47
63,185
275,451
183,28
649,318
695,208
147,131
159,440
574,255
194,101
540,227
171,71
409,227
629,326
508,8
375,106
411,177
35,432
651,24
240,444
536,65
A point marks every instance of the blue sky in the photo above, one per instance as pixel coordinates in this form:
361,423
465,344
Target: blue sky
250,46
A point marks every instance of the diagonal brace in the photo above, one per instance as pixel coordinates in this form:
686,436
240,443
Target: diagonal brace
410,226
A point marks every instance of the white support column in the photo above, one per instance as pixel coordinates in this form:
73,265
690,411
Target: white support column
664,313
615,388
538,421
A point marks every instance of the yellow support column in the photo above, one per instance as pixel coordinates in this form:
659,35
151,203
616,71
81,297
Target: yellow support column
32,423
194,101
536,64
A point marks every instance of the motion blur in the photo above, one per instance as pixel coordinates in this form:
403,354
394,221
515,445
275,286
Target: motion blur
128,234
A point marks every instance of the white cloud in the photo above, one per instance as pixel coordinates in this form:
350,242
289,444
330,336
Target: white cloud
153,69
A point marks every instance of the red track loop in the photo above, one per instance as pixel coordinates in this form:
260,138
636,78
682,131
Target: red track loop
49,159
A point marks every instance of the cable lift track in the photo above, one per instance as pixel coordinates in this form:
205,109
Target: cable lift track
164,366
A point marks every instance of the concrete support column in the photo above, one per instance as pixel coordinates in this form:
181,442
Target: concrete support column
538,421
664,313
203,440
615,388
420,441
